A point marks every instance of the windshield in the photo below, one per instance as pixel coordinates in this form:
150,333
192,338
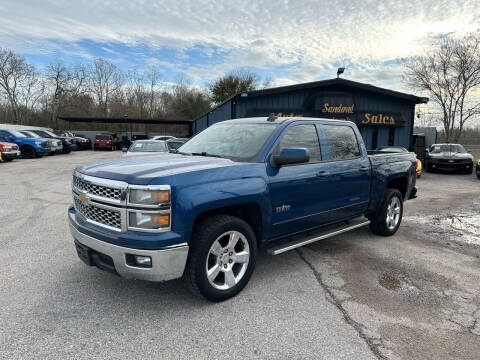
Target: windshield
150,146
17,134
31,134
236,141
454,148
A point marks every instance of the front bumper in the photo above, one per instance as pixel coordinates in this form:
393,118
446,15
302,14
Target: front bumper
10,154
167,264
451,166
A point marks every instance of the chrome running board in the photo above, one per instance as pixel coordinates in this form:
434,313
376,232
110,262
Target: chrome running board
320,235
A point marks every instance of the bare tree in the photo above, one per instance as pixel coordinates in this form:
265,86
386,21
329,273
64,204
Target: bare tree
13,73
450,75
31,91
105,80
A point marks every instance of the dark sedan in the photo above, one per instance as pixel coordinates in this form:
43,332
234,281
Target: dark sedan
448,157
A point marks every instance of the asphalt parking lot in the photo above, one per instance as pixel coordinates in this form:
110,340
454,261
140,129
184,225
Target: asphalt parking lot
356,296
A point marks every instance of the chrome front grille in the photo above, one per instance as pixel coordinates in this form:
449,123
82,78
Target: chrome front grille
95,189
99,215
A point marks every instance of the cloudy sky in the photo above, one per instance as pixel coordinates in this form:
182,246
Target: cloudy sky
287,41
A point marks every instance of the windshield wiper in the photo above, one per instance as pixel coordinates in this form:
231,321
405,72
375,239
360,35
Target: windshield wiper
203,153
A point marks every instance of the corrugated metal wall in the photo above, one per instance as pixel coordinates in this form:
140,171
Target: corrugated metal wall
364,101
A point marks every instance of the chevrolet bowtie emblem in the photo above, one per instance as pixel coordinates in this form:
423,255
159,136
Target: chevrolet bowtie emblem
83,199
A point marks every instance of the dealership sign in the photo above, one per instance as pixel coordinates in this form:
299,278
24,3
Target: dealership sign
334,105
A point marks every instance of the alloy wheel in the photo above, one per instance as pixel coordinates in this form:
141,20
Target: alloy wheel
227,260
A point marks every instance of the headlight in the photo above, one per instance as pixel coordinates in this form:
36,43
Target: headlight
148,220
38,143
149,196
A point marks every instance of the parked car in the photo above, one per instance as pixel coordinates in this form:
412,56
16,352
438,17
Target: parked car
67,145
55,144
82,141
8,151
448,157
238,185
398,149
146,147
104,141
163,137
29,147
175,143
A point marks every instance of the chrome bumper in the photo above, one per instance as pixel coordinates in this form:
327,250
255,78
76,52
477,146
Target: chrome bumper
167,264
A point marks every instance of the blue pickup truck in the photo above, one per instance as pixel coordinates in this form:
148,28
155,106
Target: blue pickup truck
240,185
29,147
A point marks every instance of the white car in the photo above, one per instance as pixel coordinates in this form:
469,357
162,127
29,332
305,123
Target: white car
163,137
146,147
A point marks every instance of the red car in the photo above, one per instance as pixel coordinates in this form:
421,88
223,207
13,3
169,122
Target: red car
8,151
104,141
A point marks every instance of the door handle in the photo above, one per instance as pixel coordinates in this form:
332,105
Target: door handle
322,174
364,168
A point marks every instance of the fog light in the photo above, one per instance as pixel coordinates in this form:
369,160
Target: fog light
143,260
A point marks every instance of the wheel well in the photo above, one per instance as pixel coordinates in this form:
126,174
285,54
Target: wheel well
400,184
248,212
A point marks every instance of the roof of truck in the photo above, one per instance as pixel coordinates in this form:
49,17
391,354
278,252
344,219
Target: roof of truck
278,120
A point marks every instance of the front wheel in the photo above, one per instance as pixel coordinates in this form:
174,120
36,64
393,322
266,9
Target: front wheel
222,257
388,217
28,152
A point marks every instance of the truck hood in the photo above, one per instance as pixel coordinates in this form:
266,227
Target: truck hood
142,170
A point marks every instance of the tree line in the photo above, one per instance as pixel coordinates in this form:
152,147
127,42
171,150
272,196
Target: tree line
32,96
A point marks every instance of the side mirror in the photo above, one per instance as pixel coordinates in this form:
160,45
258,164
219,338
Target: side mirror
10,137
469,151
291,156
124,149
427,151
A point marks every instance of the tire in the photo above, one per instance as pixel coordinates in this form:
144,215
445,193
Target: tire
228,277
384,222
28,152
469,171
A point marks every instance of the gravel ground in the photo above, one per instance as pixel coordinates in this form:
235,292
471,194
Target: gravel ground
356,296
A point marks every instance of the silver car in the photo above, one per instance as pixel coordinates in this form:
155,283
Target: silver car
146,147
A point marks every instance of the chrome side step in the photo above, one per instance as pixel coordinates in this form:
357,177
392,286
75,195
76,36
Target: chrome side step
320,235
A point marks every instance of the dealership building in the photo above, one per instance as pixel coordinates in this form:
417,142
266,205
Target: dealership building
384,117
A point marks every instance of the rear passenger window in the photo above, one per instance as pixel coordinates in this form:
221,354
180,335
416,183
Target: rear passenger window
342,142
302,136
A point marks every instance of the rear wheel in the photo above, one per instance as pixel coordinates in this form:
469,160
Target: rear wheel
388,217
222,257
28,152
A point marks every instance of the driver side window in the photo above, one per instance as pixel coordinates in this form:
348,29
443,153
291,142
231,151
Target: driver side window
301,136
